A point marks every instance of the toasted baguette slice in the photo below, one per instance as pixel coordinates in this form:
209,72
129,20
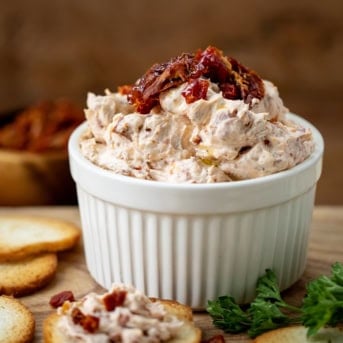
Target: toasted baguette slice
297,334
22,236
17,323
26,276
187,334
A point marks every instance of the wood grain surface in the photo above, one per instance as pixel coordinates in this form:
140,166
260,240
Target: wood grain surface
325,248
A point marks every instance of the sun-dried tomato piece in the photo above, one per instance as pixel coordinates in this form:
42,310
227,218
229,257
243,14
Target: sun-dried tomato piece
77,316
125,89
160,77
195,90
88,322
250,84
230,91
114,299
234,80
213,64
215,339
58,299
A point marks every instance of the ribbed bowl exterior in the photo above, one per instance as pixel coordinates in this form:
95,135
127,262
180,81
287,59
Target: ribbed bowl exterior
193,259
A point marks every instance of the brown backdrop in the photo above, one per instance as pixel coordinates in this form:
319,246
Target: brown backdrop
65,48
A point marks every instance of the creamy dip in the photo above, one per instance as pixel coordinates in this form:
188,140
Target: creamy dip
123,314
214,139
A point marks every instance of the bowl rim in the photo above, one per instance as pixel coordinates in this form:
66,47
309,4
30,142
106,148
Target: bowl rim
82,170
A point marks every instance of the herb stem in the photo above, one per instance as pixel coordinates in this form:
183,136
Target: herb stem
289,307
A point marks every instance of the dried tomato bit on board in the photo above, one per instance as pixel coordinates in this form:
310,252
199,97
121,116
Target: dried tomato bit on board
114,299
215,339
58,299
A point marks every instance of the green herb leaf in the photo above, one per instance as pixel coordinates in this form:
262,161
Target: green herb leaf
322,306
265,310
337,273
228,316
267,287
323,303
266,316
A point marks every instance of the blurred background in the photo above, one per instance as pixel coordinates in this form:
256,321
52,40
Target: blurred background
65,48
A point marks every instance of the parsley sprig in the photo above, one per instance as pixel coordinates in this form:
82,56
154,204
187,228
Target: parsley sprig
322,306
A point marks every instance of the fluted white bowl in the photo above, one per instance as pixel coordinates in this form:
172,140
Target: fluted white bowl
195,242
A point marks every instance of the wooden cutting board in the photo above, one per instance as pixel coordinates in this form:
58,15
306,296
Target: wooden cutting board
325,248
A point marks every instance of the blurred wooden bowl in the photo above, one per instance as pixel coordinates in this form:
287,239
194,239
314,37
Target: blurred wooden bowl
30,179
34,167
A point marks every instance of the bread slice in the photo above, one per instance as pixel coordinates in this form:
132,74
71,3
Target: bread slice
298,334
24,277
22,236
188,333
17,323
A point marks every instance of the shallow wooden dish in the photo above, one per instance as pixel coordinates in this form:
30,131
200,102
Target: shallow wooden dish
28,178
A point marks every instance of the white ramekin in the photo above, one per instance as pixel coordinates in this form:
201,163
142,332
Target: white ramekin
195,242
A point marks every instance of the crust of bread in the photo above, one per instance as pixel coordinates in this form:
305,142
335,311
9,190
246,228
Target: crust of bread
183,312
51,334
297,334
23,236
17,323
188,333
26,276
